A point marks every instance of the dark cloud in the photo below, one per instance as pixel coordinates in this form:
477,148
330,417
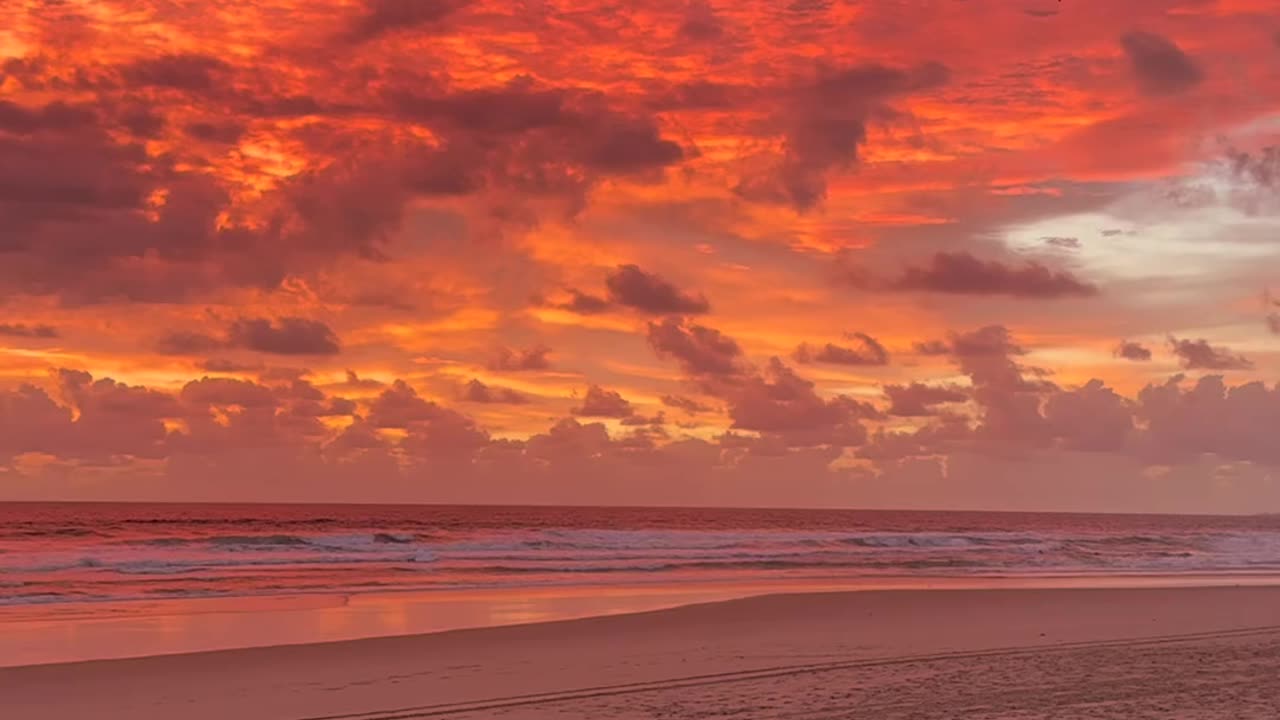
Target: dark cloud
432,428
513,109
686,404
355,382
218,132
187,342
917,399
1092,418
963,274
76,220
478,392
228,391
630,286
625,146
24,330
284,336
931,348
1132,351
222,365
700,24
380,17
192,72
1200,355
702,352
825,123
1161,67
868,351
599,402
1007,392
785,407
141,122
948,433
55,116
584,303
657,420
1210,417
555,125
534,358
1062,243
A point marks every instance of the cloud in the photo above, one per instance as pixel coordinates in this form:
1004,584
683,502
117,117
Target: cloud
24,330
630,286
960,273
824,123
222,365
381,17
1200,355
478,392
1271,304
1092,418
227,133
869,351
1132,351
623,146
190,71
228,391
786,409
54,116
930,348
533,358
1062,243
686,404
584,303
188,342
1210,417
1007,392
283,336
1161,67
599,402
700,23
431,429
918,399
702,352
655,421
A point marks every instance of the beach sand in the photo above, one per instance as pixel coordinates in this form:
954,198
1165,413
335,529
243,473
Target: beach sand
1060,653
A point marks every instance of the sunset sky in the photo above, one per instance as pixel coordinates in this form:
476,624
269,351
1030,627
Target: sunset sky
1010,254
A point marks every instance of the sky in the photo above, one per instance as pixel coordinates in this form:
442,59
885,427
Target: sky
955,254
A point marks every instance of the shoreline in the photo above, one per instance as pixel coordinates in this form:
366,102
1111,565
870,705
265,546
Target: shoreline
765,649
57,633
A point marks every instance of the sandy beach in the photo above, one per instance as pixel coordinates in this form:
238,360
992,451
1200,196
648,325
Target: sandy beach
1062,653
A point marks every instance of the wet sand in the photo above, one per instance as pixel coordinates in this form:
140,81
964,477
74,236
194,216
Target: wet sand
1029,653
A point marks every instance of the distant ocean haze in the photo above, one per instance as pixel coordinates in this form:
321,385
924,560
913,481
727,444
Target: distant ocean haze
66,553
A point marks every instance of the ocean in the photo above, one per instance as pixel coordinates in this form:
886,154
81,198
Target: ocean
79,553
